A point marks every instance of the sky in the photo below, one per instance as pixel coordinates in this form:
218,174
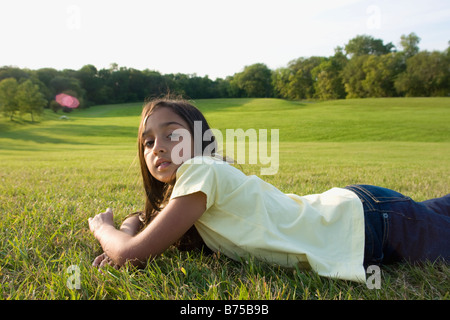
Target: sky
217,38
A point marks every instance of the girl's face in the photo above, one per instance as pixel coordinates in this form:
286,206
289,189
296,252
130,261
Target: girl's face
159,140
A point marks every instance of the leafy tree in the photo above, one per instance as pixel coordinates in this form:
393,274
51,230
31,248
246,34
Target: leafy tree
255,80
371,75
119,82
427,74
137,84
301,81
14,72
155,83
222,88
234,90
55,106
46,75
62,83
328,77
198,87
30,99
353,76
280,82
90,82
367,45
380,74
410,44
8,101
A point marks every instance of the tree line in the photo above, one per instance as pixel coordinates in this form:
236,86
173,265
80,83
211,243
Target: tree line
364,67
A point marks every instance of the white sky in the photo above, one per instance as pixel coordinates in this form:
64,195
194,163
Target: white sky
207,37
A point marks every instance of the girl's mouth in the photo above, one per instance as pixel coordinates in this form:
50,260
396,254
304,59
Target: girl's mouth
163,165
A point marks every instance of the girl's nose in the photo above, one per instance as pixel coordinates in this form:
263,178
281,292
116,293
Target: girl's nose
159,147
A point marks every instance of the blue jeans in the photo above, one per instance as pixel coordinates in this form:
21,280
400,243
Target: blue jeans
398,228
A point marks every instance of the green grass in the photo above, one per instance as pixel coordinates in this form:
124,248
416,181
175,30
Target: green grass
56,173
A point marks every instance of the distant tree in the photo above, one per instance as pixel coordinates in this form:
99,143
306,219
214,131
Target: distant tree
234,91
119,82
380,74
410,44
55,106
14,72
63,83
328,75
200,87
137,85
280,82
222,88
367,45
301,81
46,75
90,82
43,77
30,99
427,74
255,80
104,95
353,76
8,101
154,84
113,67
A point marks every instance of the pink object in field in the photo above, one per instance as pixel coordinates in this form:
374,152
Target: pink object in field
67,100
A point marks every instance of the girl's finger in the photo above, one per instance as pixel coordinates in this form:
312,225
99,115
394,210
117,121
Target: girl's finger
98,260
104,263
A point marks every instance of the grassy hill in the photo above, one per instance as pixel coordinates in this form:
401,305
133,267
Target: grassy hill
56,173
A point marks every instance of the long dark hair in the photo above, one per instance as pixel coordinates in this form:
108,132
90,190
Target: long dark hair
157,193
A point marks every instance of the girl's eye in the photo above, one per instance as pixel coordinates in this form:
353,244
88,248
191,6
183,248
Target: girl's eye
148,143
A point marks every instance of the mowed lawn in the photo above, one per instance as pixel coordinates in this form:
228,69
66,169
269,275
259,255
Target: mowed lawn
56,173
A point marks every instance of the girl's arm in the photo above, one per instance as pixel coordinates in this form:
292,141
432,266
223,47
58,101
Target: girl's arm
167,227
131,225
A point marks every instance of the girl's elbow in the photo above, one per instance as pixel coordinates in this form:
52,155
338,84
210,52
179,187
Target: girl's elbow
118,254
128,256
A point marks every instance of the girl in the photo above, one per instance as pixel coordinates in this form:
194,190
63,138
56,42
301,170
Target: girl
201,199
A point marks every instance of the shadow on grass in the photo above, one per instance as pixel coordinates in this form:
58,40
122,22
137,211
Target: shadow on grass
71,134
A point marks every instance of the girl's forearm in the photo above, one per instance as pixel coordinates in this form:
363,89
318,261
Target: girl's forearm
131,225
179,215
115,244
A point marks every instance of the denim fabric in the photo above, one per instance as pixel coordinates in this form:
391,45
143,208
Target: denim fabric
398,228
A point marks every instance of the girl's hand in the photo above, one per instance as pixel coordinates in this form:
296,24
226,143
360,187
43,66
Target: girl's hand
103,260
100,220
